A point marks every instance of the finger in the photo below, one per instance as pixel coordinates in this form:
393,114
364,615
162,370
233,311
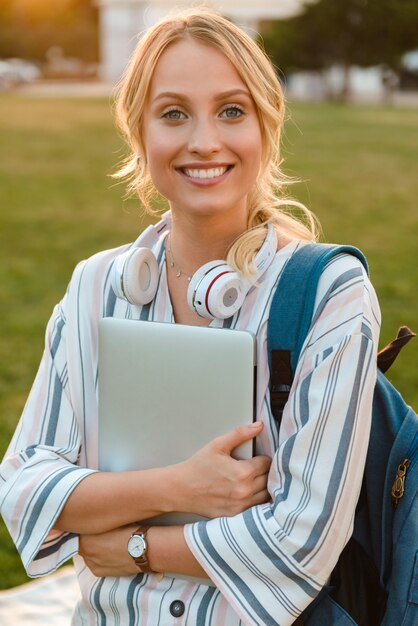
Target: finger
90,564
247,494
262,497
81,545
259,464
259,484
233,439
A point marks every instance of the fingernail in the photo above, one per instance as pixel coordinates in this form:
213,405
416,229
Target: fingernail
256,424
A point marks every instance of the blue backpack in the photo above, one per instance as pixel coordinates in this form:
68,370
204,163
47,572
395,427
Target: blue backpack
375,582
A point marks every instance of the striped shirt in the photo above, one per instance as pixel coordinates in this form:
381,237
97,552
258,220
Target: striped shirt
269,562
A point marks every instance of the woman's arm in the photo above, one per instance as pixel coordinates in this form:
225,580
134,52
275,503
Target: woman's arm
211,483
46,466
106,554
284,551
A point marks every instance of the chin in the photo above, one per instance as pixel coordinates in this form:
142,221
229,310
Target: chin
211,208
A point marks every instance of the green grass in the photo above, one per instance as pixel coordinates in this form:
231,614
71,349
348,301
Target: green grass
58,205
359,170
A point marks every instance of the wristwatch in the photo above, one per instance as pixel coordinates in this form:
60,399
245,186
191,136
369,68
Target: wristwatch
137,549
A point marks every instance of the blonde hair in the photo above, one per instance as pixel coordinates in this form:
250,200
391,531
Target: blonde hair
267,201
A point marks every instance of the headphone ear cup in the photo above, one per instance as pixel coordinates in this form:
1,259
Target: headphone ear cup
135,276
216,291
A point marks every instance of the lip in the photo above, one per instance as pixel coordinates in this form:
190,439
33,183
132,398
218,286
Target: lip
204,182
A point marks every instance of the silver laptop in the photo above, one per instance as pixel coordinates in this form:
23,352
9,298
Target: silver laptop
165,390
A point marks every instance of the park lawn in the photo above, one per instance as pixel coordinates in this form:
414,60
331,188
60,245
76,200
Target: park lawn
357,167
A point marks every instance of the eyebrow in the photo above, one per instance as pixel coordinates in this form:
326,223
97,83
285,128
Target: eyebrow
220,96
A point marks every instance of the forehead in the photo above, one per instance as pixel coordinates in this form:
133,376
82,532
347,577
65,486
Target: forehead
189,65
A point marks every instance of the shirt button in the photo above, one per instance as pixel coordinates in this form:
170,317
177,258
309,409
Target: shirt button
177,608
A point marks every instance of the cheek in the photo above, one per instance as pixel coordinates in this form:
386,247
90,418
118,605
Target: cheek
157,150
252,150
158,155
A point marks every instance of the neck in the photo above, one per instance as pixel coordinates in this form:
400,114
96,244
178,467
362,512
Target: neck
195,242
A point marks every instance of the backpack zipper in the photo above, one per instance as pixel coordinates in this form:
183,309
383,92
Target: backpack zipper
398,487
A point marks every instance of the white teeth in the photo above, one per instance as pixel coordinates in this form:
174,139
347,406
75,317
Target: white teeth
211,173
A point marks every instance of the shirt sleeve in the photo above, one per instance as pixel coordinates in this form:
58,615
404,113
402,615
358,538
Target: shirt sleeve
39,470
271,561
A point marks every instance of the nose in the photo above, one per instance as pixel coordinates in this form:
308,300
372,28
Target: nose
204,137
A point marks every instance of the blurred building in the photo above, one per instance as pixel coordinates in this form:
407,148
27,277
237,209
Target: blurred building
122,21
364,84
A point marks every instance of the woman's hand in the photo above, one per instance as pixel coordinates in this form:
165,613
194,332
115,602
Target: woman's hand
213,484
106,554
210,483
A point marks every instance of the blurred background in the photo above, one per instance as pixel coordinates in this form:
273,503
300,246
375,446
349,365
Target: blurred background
364,49
350,71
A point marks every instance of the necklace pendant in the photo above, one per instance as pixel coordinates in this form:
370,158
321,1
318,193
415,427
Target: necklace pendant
178,271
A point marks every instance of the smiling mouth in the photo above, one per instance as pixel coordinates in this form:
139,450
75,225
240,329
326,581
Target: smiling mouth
213,172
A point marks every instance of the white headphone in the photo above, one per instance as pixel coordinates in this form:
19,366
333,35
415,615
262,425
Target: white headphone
215,290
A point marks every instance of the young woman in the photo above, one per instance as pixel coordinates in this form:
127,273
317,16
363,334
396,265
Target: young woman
202,110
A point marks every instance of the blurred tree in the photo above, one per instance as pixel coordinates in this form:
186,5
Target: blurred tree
29,28
344,32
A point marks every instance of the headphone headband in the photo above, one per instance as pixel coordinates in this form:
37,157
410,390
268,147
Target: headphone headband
149,237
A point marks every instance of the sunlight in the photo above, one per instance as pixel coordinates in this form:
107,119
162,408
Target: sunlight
37,10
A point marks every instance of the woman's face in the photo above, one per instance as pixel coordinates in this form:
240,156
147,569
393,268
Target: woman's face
201,132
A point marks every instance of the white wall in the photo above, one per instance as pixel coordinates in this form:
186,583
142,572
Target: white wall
121,22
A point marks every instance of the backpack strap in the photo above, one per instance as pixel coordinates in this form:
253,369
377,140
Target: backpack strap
291,314
387,355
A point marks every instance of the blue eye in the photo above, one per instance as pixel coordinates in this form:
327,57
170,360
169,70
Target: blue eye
233,112
174,114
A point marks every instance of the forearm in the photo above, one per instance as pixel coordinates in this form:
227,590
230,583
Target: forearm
106,554
168,552
107,500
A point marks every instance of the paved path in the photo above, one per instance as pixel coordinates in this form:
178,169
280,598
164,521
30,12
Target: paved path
67,89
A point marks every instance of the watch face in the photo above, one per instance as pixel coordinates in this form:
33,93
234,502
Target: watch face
136,546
